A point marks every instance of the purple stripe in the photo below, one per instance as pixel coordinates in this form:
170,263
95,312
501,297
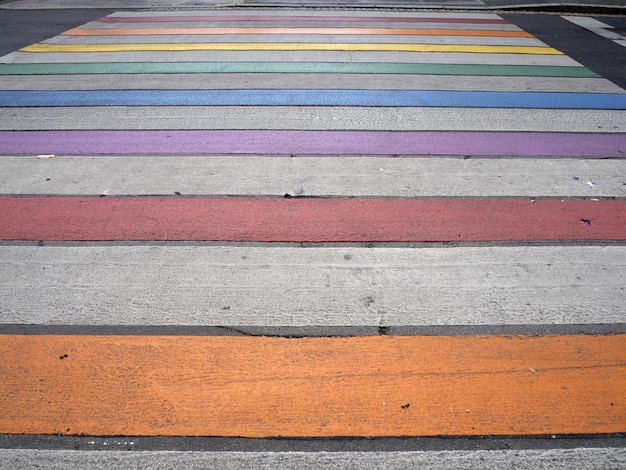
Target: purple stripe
523,144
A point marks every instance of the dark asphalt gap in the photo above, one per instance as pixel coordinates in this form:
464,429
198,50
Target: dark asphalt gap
599,54
618,23
21,28
340,444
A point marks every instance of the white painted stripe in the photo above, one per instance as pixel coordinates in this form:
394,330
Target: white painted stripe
313,176
533,459
587,22
597,27
325,286
224,81
295,56
313,118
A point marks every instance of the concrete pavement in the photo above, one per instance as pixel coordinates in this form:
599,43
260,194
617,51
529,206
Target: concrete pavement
519,459
287,335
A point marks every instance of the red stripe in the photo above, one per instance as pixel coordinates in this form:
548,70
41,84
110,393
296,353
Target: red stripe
309,219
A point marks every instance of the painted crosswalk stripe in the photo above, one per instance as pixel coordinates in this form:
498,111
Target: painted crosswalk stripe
496,144
287,46
295,67
309,220
385,98
296,97
313,387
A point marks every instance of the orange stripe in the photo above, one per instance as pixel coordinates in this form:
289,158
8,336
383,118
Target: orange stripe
334,31
360,386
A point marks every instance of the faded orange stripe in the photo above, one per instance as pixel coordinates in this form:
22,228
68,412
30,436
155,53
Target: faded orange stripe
362,386
333,31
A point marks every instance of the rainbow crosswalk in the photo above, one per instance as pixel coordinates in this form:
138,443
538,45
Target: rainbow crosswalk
412,197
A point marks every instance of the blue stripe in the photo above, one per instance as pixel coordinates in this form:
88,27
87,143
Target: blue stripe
474,99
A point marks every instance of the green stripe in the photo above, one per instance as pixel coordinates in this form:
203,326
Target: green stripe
295,67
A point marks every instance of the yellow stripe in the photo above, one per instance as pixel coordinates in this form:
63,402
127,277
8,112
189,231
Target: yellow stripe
288,47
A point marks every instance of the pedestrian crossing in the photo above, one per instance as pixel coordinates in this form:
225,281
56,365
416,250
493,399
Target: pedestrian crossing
344,171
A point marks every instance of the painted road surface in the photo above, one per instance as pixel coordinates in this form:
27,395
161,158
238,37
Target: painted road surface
220,229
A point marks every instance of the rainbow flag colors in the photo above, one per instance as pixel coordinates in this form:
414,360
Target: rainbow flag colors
310,224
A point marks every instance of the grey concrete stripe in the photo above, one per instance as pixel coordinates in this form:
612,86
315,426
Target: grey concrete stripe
291,38
294,56
314,176
581,458
312,118
299,332
322,286
303,24
217,81
317,12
